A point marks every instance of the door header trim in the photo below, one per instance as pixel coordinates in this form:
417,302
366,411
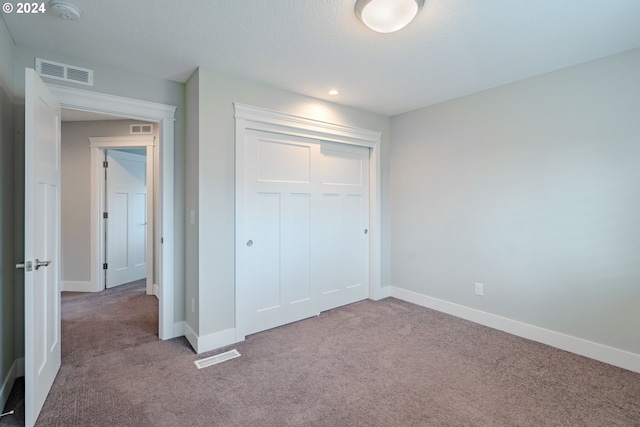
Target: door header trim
121,141
289,124
97,102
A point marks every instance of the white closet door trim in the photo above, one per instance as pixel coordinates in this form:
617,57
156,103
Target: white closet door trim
288,124
250,117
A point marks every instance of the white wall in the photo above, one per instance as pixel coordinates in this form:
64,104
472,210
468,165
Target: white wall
76,193
216,180
532,189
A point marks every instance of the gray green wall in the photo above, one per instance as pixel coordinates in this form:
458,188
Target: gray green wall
8,350
532,189
216,180
191,195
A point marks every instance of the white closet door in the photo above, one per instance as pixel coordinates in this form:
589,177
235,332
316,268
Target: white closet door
279,190
341,243
127,221
306,215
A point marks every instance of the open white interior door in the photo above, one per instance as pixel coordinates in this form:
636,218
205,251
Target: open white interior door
127,218
42,243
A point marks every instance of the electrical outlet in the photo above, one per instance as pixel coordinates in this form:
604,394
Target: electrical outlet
479,289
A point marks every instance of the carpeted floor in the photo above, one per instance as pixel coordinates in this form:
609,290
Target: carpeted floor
386,363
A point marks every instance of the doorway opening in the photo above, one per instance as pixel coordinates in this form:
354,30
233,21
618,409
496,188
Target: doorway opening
91,236
163,245
108,217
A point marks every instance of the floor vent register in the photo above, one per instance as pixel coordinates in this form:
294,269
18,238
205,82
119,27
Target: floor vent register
218,358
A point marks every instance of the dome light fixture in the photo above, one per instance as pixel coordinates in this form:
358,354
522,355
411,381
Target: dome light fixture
387,16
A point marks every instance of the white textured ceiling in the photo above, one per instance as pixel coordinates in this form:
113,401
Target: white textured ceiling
453,48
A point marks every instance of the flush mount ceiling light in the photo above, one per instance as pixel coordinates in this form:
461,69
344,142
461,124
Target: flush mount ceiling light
64,10
387,16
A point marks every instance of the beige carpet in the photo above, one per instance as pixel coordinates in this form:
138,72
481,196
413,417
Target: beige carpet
386,363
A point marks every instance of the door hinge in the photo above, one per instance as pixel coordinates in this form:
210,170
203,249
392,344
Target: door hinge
105,266
105,215
105,164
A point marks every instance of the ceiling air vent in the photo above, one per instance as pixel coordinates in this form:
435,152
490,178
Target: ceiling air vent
141,129
68,73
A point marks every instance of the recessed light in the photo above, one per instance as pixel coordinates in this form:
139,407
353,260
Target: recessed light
333,92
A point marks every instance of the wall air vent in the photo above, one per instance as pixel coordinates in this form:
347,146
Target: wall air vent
68,73
141,129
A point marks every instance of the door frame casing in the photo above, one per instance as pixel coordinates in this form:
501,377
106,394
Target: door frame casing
255,118
98,236
164,115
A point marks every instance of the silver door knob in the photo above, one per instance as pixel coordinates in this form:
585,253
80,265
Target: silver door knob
250,243
366,231
42,263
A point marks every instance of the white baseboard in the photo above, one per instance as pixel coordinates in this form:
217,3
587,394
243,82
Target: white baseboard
211,341
71,286
156,291
16,371
593,350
